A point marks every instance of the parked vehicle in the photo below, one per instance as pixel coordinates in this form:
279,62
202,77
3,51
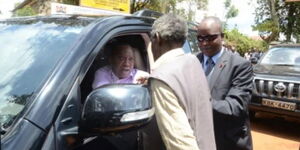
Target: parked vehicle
276,81
47,66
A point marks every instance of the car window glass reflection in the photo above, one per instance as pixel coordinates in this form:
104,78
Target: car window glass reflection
281,56
28,53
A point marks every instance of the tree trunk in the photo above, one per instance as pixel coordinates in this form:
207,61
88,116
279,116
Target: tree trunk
275,34
132,6
291,21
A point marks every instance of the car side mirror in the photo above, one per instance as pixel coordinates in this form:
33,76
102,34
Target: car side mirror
253,60
115,108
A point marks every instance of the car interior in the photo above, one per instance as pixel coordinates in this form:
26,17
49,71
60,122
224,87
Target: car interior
138,41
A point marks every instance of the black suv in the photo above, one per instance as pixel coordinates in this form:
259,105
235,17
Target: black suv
47,66
277,81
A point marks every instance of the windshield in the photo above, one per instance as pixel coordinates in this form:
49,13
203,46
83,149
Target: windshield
282,56
29,50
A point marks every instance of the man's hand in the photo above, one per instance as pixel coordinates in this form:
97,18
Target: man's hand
142,80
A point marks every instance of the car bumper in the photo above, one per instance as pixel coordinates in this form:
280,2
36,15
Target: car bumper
260,108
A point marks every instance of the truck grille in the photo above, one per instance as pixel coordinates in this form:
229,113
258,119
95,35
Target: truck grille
277,89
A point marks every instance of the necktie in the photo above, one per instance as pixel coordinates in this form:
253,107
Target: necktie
209,66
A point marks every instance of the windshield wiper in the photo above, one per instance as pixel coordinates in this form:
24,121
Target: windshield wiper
283,64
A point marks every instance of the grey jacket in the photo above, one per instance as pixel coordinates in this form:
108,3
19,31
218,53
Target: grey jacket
231,88
185,76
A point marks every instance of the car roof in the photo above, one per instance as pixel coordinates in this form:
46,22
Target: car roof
89,18
67,18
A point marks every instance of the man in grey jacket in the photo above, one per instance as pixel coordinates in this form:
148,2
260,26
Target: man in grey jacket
179,89
230,80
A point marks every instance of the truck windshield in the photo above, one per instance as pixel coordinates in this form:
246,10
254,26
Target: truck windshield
29,51
282,56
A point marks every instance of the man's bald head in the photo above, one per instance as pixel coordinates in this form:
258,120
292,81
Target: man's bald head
210,36
211,22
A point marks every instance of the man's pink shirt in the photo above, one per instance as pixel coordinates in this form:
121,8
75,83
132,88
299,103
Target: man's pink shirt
105,75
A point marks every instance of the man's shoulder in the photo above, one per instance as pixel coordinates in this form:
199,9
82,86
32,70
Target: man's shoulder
104,69
180,61
186,58
180,65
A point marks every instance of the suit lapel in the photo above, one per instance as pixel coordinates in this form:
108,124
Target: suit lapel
221,63
218,68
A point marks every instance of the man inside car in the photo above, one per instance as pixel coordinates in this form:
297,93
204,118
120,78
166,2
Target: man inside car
121,67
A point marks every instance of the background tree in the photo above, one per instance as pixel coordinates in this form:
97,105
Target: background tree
192,6
267,20
25,11
136,5
231,11
290,20
169,6
273,17
70,2
243,43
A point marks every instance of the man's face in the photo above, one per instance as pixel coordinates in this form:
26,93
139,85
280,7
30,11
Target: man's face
209,38
123,62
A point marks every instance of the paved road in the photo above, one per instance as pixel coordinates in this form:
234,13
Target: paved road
273,133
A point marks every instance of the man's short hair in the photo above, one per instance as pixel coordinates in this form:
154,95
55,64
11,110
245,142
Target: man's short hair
170,28
114,47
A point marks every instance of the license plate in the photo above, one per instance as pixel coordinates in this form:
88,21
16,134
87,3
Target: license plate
279,104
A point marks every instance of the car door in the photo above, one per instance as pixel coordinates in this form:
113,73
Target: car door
65,129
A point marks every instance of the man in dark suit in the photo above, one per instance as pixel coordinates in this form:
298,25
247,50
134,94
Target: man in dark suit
230,81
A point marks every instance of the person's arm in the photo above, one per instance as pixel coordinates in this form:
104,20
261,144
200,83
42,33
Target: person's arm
239,94
141,77
100,78
172,121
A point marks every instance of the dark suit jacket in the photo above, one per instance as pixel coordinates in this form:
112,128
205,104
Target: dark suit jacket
231,88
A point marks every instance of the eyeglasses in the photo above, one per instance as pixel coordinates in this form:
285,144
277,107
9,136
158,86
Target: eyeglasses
207,38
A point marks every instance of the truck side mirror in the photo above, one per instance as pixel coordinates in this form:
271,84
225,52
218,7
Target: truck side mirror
116,108
253,60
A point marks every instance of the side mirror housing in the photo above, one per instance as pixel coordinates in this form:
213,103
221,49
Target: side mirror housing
115,108
253,60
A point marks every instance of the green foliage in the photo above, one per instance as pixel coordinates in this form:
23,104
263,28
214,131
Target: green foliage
266,26
25,11
277,16
227,3
136,5
243,43
71,2
169,6
231,11
189,14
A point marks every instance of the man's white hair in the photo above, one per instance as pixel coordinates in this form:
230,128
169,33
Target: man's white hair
170,28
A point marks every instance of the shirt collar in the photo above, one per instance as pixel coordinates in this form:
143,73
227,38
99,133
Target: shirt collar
215,57
168,56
